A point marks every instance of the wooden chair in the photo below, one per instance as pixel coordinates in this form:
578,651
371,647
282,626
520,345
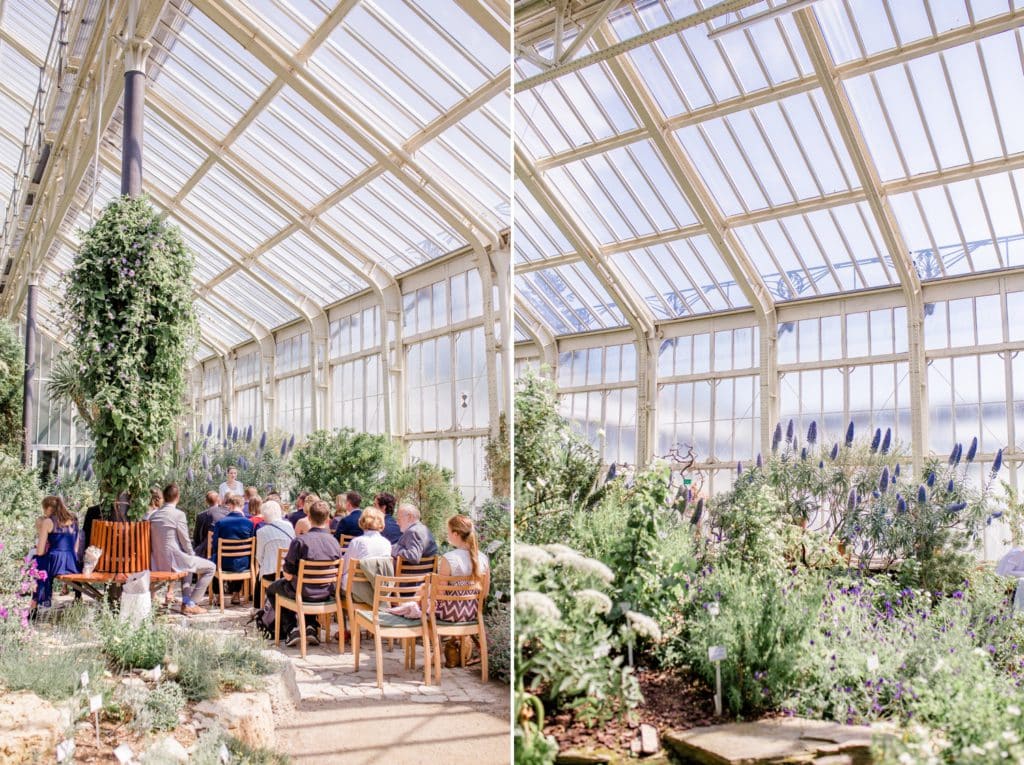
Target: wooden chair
313,573
233,548
344,540
459,589
424,566
391,591
281,552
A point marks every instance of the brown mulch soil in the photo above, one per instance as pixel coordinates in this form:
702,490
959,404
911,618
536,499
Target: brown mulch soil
673,700
112,735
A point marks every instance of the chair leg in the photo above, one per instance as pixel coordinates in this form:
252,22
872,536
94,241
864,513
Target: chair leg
426,654
277,623
220,587
341,631
355,644
379,645
302,633
483,654
437,652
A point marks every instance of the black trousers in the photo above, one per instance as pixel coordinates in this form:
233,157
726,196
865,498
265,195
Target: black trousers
288,621
256,602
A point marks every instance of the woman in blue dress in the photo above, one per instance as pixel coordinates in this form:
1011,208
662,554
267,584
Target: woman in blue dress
57,533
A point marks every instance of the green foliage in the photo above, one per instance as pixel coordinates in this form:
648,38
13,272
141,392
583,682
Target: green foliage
531,746
330,463
208,748
431,489
78,491
568,654
20,504
207,665
12,375
132,320
50,675
764,618
498,459
152,710
129,646
494,528
556,469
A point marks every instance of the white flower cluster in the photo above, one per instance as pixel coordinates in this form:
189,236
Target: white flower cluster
587,566
537,603
531,554
643,625
559,549
601,602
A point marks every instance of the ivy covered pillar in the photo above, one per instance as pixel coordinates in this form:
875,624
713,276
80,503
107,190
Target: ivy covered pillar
135,52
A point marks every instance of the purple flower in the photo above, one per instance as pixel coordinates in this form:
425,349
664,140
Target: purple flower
851,501
812,433
209,430
834,453
291,442
777,437
896,472
876,440
263,441
739,468
284,446
901,505
931,479
248,435
849,434
922,495
760,462
803,453
790,432
887,441
883,481
950,487
997,462
956,507
972,450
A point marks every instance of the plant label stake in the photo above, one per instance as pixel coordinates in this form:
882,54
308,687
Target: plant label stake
95,705
124,754
225,755
85,679
872,663
716,653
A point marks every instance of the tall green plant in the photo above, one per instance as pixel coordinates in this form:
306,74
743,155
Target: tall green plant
431,489
12,372
130,314
330,463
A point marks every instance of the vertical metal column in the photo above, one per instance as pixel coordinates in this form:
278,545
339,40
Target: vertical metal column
28,419
135,52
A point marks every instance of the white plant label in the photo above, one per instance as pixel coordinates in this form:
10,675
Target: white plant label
225,755
85,679
158,672
872,663
713,608
716,653
96,703
64,750
124,754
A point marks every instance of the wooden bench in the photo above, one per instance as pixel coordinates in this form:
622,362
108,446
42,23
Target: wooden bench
126,550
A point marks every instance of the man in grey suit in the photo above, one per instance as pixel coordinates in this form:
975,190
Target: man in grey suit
416,541
172,550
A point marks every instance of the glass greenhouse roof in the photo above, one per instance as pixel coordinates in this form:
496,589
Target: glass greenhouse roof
676,172
381,144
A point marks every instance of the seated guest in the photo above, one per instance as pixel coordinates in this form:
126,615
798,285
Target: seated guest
234,525
253,507
118,513
339,512
302,526
272,495
215,510
315,545
416,541
156,501
465,560
386,504
250,492
275,533
300,508
172,550
56,543
371,543
349,524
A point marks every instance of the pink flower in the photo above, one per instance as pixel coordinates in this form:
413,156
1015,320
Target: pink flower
3,612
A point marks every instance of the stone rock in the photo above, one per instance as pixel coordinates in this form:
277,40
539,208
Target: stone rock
775,742
30,728
650,743
247,716
167,749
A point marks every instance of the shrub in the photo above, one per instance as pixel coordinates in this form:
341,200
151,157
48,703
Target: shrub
132,322
51,675
133,647
567,653
207,665
208,751
764,618
494,527
12,374
330,463
431,489
152,710
20,504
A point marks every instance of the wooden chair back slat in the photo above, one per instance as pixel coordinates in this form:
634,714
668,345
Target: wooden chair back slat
344,541
125,546
281,553
424,566
319,572
394,590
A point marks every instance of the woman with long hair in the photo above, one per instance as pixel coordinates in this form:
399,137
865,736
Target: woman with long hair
464,560
56,542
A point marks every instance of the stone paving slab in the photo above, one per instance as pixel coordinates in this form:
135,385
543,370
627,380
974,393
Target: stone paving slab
774,742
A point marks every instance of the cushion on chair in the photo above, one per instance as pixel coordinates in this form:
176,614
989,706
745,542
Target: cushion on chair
443,623
389,620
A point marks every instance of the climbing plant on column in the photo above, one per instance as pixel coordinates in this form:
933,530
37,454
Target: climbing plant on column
133,325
